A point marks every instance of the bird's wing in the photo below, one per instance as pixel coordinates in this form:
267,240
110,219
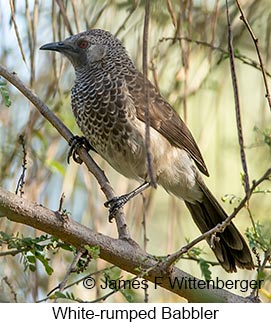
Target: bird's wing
164,119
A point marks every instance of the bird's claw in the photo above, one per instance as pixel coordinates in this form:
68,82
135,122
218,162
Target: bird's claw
75,143
115,204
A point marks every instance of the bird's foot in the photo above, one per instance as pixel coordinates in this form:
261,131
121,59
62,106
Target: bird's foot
118,202
75,143
115,204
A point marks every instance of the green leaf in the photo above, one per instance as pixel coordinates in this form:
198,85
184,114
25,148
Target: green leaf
128,294
32,267
27,241
204,267
4,93
195,252
259,236
49,270
5,236
236,52
60,295
231,198
94,251
67,247
112,273
31,259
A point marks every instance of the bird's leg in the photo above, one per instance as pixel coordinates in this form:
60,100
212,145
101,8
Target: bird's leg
75,143
117,202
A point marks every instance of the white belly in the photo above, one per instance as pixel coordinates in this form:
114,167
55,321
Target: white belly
173,167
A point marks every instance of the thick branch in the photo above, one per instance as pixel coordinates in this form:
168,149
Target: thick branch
121,253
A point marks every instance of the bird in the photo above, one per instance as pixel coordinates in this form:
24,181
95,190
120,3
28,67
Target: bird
108,102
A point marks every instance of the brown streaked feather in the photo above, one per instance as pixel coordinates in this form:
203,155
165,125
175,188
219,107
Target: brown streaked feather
165,119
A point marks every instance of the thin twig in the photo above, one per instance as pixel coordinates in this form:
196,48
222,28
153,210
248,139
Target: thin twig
146,92
11,3
31,35
154,75
76,282
61,202
214,25
34,38
63,214
266,259
184,53
255,291
143,275
260,268
55,84
220,227
11,252
122,227
171,12
98,15
76,258
237,104
244,59
187,61
74,9
114,291
144,224
11,288
21,181
133,9
64,15
145,239
256,43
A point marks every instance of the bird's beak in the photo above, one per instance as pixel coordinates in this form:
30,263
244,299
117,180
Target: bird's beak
62,47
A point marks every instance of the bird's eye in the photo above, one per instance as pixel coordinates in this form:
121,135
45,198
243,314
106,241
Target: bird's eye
83,44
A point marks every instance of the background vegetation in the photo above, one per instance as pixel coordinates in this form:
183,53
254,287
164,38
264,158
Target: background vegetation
193,74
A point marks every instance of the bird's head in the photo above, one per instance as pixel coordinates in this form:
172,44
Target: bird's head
89,47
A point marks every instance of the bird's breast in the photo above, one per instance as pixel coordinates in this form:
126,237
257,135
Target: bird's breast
106,116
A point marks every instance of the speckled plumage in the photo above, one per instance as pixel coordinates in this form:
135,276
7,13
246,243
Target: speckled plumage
108,103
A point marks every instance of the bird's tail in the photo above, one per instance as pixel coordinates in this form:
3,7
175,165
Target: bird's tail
230,249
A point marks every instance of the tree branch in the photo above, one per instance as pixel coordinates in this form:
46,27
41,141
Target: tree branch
67,135
243,58
220,227
256,43
237,103
146,94
71,268
122,253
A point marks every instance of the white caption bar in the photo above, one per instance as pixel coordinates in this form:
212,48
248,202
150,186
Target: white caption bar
124,312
